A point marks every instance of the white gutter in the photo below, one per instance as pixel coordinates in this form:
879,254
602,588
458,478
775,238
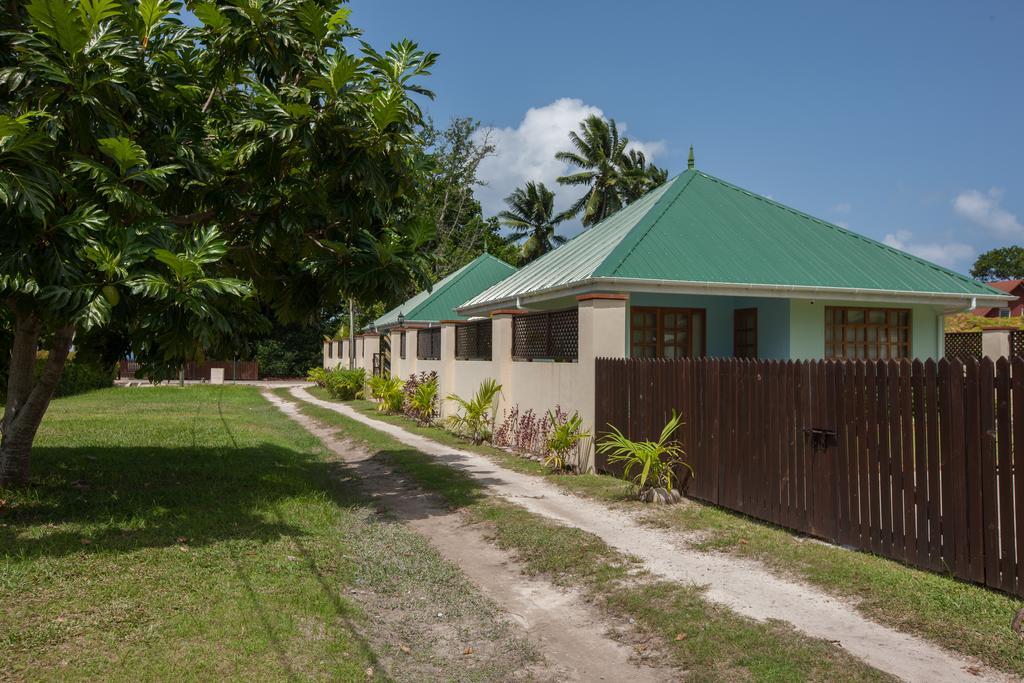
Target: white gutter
951,302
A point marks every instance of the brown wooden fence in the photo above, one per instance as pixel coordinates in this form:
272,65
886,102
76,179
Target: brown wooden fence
914,461
243,370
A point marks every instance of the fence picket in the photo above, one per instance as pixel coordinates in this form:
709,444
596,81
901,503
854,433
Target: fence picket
1004,487
956,506
932,430
906,462
972,434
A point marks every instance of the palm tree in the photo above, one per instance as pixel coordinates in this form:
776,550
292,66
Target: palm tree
598,151
639,178
530,214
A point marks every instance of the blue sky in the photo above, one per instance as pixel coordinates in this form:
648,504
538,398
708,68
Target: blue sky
901,120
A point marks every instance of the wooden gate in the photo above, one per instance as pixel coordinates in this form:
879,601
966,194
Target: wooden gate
914,461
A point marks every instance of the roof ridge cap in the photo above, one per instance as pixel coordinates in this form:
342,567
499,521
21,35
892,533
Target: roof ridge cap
847,232
446,282
692,174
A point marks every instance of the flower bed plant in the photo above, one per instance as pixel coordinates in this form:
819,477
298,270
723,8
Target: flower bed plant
475,418
648,465
420,397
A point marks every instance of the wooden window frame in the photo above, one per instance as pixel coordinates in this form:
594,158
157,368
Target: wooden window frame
659,313
838,345
751,349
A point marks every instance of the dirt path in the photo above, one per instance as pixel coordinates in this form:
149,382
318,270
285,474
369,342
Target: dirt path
744,586
573,636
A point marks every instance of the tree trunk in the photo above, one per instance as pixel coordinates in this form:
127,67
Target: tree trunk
28,397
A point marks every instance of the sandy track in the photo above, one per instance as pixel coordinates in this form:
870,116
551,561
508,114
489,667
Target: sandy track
744,586
572,635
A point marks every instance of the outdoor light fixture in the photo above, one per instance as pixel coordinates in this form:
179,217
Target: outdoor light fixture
401,320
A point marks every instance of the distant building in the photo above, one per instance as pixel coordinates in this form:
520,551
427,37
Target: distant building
1016,307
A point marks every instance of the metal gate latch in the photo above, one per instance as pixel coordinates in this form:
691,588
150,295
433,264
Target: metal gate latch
822,438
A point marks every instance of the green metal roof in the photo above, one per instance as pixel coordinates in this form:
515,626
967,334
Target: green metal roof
699,229
439,302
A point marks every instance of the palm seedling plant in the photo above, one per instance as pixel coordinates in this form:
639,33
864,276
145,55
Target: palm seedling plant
387,391
423,401
648,465
476,415
563,439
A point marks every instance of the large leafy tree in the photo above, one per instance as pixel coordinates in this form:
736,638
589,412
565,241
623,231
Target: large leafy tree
161,184
613,175
1004,263
531,215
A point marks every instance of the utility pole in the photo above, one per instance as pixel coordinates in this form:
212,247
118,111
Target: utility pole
351,334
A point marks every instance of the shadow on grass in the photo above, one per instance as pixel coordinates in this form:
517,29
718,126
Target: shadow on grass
120,500
123,499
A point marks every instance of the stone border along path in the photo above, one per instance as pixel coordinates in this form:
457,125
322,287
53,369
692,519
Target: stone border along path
741,585
572,635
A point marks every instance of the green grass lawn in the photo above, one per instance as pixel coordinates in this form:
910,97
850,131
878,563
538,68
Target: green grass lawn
962,617
709,642
197,533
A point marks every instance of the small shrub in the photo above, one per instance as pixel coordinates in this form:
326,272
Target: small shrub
476,418
566,434
646,464
524,432
422,404
387,391
345,384
317,376
79,375
421,412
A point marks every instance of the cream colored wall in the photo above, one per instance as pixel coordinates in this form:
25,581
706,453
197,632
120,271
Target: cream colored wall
541,386
429,366
538,385
335,359
807,328
366,346
399,365
463,379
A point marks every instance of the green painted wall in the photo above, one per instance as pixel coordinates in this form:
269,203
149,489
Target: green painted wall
807,328
772,320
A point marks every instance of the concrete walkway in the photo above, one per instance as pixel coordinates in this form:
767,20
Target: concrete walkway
744,586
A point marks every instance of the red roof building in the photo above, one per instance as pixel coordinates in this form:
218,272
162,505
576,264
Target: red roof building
1016,307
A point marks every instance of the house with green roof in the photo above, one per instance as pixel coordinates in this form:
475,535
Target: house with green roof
706,268
424,310
430,306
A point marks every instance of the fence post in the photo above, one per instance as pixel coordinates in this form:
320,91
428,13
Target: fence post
995,342
412,352
446,380
501,353
368,345
601,334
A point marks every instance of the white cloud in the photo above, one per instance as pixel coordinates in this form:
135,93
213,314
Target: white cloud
983,209
527,152
842,207
948,254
